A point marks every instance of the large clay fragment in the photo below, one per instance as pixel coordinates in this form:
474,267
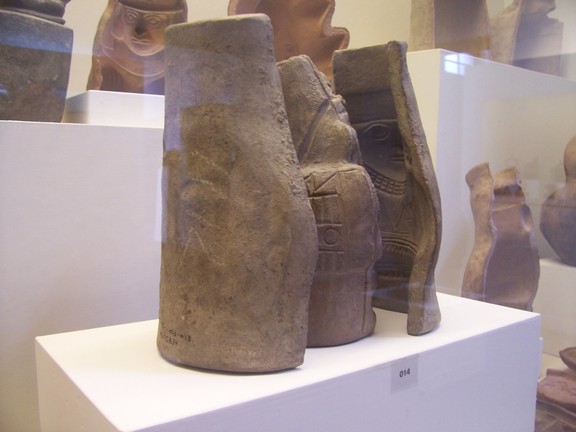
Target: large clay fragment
239,237
35,56
382,107
128,53
523,35
300,27
556,397
504,266
558,213
455,25
344,203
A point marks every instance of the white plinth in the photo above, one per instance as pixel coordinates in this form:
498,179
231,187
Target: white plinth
80,224
115,109
556,301
476,373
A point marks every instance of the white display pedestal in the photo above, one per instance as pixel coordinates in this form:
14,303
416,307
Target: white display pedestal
476,373
556,301
80,217
115,109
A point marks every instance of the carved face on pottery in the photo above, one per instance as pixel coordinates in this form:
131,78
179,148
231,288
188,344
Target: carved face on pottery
140,24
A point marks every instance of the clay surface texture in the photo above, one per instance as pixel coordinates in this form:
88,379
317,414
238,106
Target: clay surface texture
558,213
455,25
382,107
504,265
35,70
344,204
300,27
128,53
239,243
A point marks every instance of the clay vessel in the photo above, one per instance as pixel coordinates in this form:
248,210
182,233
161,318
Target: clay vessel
556,403
300,27
344,204
35,54
128,53
239,237
504,266
558,213
455,25
382,107
523,35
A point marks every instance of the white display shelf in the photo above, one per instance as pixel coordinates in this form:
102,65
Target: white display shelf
79,241
556,302
476,373
115,109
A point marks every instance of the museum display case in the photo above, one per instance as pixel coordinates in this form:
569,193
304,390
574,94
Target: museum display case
81,219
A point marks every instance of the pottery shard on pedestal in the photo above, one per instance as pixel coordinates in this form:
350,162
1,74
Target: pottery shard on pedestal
504,266
382,107
558,213
35,56
128,53
455,25
239,237
344,203
300,27
524,35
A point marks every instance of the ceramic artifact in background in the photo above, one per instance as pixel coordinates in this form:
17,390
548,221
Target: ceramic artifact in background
504,266
300,27
556,397
382,107
128,53
558,213
455,25
239,242
35,56
344,204
523,35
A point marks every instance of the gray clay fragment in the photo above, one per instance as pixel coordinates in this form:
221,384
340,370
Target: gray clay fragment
344,203
455,25
35,56
382,107
239,237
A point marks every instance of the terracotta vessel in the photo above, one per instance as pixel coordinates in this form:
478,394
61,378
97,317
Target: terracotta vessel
504,265
35,56
128,53
344,204
558,213
239,243
523,35
300,27
556,400
455,25
382,107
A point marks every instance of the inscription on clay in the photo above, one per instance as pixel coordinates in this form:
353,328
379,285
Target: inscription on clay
344,204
